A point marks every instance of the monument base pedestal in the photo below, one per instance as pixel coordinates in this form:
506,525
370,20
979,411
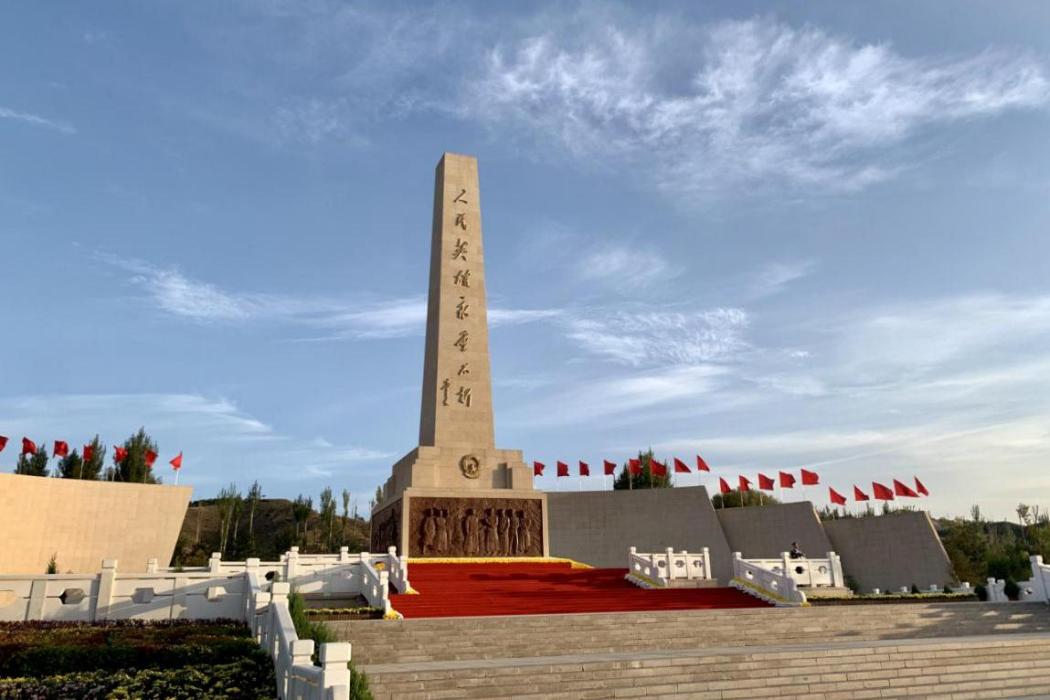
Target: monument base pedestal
480,523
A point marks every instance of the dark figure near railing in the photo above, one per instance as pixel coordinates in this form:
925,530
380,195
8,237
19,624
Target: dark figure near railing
796,553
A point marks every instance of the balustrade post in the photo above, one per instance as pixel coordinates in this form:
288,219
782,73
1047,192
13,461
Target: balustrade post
670,563
151,565
707,563
291,564
344,554
335,669
106,582
785,563
737,564
835,564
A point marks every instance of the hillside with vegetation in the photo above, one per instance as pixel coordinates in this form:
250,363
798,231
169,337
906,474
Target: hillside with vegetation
241,526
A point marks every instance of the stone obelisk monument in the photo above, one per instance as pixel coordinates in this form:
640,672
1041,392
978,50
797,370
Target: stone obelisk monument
456,495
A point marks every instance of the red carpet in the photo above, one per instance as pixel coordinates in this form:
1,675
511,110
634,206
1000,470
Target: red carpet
463,590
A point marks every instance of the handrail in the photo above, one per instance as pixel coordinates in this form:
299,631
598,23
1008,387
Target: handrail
658,569
398,568
774,587
375,585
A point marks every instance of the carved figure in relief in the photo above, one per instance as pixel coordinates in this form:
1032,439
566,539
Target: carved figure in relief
471,530
515,532
429,532
441,533
491,539
504,532
527,530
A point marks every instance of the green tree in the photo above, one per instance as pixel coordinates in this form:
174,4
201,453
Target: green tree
328,516
71,466
736,499
33,465
254,496
301,509
346,511
93,467
134,468
229,502
645,480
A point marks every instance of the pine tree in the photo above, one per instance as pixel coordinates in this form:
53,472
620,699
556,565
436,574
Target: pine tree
71,466
92,468
645,480
134,467
33,465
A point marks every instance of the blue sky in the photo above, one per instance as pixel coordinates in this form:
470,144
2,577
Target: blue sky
785,235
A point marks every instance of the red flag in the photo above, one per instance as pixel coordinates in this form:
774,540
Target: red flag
723,486
657,468
151,457
745,485
89,452
836,497
585,469
176,463
119,454
563,469
537,468
701,465
635,467
61,448
680,467
765,483
28,446
881,492
900,489
859,495
810,478
919,486
787,480
3,443
610,468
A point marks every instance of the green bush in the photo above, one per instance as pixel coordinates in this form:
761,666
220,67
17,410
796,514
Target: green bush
981,591
1011,589
247,678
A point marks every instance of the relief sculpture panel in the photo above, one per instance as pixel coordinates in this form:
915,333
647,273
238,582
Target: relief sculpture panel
386,528
476,527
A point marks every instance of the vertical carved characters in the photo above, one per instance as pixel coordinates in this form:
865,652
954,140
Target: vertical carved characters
475,527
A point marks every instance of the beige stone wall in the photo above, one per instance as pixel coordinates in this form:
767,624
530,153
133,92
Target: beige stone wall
598,527
765,532
890,551
84,522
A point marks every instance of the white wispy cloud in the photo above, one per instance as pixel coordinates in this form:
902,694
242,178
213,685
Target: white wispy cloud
626,266
37,120
339,318
740,101
661,337
773,278
221,442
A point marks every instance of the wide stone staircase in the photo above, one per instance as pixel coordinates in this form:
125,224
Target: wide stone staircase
954,650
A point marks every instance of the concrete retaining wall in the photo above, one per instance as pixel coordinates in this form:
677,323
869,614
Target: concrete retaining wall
765,532
84,522
598,527
890,551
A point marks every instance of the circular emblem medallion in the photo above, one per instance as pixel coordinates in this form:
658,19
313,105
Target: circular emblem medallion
470,466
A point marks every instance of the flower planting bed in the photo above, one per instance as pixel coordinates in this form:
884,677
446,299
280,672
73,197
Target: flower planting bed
131,659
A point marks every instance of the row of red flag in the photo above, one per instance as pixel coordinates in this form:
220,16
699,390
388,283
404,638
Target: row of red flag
119,453
785,480
634,466
881,492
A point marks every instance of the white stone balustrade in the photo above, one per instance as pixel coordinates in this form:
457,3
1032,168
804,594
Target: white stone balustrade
774,587
1035,589
398,568
375,585
811,573
659,569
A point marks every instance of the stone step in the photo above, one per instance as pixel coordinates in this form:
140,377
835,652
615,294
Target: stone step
489,638
1014,666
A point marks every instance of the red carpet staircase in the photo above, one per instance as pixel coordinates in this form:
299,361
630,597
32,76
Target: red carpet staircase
665,644
468,590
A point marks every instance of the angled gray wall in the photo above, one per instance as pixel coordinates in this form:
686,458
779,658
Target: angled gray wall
765,532
598,527
890,551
